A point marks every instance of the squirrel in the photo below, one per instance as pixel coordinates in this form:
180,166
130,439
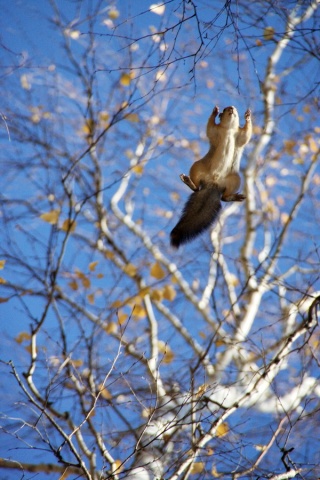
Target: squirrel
214,177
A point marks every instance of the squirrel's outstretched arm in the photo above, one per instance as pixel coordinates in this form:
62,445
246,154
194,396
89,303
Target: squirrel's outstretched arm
245,132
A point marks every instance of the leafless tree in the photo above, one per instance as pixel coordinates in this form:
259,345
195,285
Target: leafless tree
122,358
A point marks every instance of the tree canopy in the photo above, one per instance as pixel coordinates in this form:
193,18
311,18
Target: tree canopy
123,358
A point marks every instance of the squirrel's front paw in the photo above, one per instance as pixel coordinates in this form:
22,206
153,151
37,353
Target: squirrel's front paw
247,115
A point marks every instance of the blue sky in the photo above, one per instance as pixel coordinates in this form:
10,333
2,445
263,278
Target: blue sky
31,47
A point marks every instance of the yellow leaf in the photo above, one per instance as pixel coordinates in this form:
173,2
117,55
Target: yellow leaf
104,392
22,337
260,448
125,79
73,285
139,311
88,127
122,317
24,82
111,327
197,467
162,346
146,412
215,473
68,225
109,254
284,218
168,356
2,280
144,291
91,414
130,270
79,273
222,429
84,279
220,343
270,181
264,196
257,130
51,217
268,33
92,266
113,13
77,363
116,466
133,301
100,275
104,117
289,146
316,179
157,295
132,117
314,147
175,196
165,349
86,282
90,298
86,130
2,264
201,390
169,293
161,76
3,300
74,34
138,169
116,304
298,161
232,280
271,208
157,271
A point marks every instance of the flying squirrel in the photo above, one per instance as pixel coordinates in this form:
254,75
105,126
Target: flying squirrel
214,177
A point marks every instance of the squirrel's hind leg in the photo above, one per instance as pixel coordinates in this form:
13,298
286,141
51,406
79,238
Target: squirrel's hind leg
233,197
232,184
187,180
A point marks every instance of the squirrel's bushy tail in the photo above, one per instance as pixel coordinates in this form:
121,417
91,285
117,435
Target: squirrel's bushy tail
200,211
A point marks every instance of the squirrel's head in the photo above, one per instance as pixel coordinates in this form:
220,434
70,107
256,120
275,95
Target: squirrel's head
229,116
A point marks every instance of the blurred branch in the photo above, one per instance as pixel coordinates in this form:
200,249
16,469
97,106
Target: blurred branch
64,471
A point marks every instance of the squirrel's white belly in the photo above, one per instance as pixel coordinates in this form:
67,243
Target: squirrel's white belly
223,157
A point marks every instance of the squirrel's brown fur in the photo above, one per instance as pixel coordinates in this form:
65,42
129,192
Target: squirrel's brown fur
214,177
